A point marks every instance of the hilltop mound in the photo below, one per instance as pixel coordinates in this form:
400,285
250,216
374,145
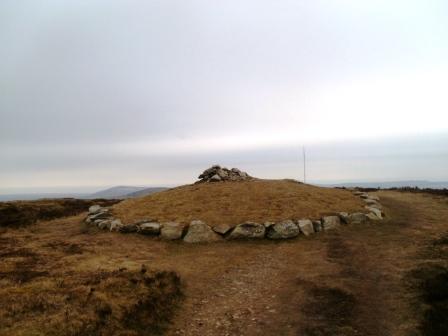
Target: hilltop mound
234,202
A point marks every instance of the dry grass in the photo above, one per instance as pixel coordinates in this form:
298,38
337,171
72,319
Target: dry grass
21,213
52,284
236,202
349,281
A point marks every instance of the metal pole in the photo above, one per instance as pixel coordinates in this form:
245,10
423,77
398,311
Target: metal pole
304,164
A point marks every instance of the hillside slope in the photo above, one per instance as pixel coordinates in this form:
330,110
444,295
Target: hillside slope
236,202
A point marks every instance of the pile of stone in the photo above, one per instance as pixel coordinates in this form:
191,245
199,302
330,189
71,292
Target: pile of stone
102,218
372,204
199,232
218,174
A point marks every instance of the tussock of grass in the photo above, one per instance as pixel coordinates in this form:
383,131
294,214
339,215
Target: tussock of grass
236,202
120,302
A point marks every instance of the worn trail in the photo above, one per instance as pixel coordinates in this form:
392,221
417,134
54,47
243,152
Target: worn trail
348,282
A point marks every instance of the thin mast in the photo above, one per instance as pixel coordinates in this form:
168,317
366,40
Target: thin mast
304,164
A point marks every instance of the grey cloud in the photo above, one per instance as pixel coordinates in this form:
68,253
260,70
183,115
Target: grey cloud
87,76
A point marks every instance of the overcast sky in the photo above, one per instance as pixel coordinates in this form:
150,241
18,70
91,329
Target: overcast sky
101,93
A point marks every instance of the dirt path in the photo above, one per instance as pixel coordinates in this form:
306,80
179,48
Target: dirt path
348,282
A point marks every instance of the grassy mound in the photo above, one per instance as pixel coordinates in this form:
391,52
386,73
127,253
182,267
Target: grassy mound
237,202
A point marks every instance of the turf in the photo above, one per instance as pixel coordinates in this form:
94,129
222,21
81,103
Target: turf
237,202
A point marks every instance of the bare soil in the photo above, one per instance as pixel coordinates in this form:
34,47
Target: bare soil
358,280
236,202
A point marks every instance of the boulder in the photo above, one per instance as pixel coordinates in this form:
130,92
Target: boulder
317,225
376,212
149,228
283,230
199,232
306,226
374,197
268,224
145,220
358,218
222,229
330,222
128,228
103,214
171,231
364,196
375,205
222,174
94,209
344,216
370,201
372,216
103,224
215,178
115,225
248,230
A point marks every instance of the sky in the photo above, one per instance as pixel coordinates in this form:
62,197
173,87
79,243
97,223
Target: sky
102,93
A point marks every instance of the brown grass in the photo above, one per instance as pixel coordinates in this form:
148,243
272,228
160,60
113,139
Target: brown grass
21,213
237,202
349,281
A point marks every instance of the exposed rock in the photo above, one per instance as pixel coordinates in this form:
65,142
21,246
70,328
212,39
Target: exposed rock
128,228
223,174
330,222
364,195
344,216
306,226
149,228
372,216
145,220
103,224
376,212
222,228
283,230
115,225
171,231
199,232
215,178
358,193
317,225
374,197
103,214
94,208
268,224
370,201
248,230
218,174
358,218
375,205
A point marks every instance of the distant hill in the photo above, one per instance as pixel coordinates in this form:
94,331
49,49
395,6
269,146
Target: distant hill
36,196
119,192
116,192
392,184
146,191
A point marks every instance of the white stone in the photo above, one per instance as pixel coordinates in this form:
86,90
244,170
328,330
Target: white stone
306,226
283,230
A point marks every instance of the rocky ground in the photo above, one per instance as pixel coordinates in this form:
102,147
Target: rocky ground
381,278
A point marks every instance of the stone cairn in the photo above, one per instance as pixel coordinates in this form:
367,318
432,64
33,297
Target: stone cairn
199,232
218,174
